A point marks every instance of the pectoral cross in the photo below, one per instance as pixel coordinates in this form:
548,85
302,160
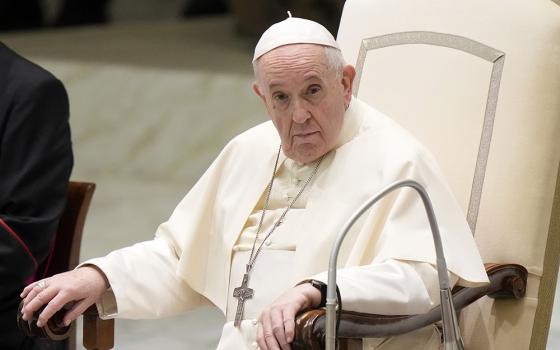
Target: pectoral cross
242,293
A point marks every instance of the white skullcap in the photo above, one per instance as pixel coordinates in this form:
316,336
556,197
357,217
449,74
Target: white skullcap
293,30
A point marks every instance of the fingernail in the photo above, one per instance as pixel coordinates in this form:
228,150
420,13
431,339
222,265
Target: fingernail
39,324
67,323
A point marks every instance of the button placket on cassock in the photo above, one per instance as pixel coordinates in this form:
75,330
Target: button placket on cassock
280,246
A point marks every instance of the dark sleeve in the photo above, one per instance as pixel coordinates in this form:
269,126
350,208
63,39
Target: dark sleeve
35,165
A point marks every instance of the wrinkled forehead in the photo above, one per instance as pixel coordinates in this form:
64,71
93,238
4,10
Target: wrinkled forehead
292,59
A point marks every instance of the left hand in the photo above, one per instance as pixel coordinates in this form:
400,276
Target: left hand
84,286
276,328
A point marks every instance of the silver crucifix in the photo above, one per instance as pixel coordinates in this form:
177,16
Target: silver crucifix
242,293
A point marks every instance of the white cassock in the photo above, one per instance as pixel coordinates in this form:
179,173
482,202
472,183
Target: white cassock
198,256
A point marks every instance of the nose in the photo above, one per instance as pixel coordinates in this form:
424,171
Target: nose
300,113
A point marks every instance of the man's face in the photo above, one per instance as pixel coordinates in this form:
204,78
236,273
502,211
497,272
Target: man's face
304,98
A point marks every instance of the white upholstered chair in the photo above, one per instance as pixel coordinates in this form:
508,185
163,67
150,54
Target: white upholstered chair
478,82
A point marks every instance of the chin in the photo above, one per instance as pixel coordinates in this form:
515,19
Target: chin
306,154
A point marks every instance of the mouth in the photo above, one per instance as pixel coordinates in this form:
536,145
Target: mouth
306,134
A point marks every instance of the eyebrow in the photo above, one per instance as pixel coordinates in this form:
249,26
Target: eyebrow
312,76
273,84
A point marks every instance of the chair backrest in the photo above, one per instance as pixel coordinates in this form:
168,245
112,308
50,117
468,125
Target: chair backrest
65,253
478,82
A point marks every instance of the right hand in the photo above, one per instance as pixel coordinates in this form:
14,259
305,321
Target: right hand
276,327
83,286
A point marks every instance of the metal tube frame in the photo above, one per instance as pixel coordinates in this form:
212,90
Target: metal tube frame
451,334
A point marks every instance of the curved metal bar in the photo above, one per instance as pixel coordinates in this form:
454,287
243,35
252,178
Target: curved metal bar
452,337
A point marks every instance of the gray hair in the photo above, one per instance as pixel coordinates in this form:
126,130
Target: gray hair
335,62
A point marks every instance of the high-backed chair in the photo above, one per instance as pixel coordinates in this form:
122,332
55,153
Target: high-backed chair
478,82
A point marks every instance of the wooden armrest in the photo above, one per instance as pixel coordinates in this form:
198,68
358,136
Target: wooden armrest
98,334
506,281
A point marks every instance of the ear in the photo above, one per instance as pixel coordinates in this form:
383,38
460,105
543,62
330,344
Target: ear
348,75
258,91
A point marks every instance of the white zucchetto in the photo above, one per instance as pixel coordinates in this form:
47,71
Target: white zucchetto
293,30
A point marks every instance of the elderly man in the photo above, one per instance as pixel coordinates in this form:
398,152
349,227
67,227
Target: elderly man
252,236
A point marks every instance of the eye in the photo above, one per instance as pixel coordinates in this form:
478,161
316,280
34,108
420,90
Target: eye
280,97
314,89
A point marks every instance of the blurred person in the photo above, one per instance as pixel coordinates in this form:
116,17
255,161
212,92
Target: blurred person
194,8
82,12
20,14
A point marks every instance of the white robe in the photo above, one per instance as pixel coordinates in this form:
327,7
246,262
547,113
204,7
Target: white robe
273,272
189,261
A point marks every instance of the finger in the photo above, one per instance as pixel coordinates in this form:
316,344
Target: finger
55,304
34,289
39,299
76,310
289,325
260,337
26,290
278,328
268,335
32,293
